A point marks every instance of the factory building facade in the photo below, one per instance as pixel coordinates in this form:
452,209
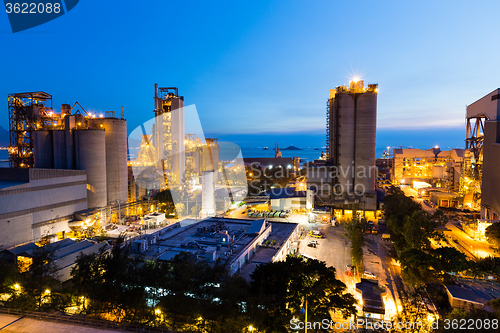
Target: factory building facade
490,197
481,180
436,168
39,202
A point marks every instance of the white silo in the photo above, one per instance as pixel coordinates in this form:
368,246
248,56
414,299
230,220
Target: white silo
116,157
90,155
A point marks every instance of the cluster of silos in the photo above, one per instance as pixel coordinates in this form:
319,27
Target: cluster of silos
352,137
96,145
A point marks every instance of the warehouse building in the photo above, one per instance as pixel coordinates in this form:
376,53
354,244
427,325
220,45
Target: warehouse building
233,241
39,202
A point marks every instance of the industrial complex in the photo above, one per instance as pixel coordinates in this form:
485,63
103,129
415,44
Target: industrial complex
77,180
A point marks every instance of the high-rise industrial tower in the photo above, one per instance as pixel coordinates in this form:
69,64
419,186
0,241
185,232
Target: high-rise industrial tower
350,145
169,132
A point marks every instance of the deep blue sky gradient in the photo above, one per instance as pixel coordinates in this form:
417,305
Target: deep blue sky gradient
259,72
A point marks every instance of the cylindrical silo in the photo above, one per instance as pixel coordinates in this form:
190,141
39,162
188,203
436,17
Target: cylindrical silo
196,161
90,155
116,157
346,129
366,131
43,153
207,194
59,149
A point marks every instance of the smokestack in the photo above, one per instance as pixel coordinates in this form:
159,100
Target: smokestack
156,98
122,113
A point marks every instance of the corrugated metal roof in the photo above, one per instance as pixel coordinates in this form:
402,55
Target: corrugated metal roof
257,226
65,251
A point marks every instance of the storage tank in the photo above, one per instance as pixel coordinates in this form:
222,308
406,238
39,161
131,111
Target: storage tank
207,194
366,132
90,155
210,158
59,149
43,153
116,157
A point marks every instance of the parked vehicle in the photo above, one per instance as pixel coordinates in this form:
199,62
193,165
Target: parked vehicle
312,244
316,234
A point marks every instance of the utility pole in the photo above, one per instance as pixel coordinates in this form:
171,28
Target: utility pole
305,321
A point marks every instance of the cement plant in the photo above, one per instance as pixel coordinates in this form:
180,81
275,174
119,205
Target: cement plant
152,200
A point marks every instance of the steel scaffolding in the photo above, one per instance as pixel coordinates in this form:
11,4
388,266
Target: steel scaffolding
27,112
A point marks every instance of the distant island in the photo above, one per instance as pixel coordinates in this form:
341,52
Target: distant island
291,148
265,148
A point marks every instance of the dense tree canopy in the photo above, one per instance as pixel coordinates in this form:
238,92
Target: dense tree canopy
493,235
281,289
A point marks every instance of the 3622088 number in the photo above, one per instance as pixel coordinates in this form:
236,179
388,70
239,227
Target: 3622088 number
32,8
470,324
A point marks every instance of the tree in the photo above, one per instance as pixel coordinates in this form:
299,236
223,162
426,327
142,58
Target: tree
36,283
397,207
280,289
413,312
408,224
449,259
355,233
493,235
166,202
9,275
483,266
417,267
113,284
195,210
179,208
460,316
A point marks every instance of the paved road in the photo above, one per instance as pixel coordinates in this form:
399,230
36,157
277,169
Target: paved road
377,259
476,248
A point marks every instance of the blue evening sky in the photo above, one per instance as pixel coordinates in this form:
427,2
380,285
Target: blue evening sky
259,72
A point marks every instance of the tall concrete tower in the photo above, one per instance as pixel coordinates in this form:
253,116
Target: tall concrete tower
351,138
169,132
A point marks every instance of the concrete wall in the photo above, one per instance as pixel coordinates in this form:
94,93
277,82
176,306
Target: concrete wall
245,254
366,128
491,173
485,106
41,206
